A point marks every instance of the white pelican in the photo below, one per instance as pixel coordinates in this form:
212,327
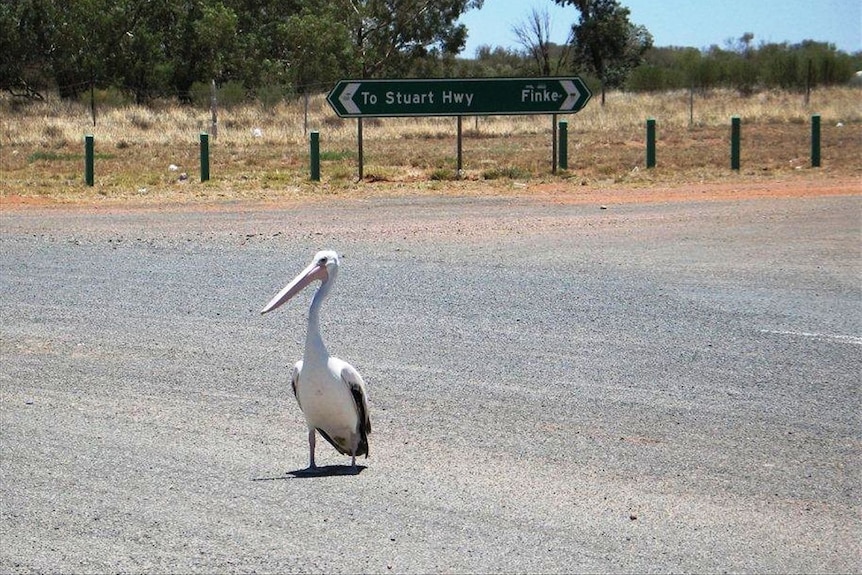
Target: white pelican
330,392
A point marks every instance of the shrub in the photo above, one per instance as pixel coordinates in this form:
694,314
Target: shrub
510,172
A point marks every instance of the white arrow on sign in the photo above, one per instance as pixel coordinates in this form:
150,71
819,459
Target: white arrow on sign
572,94
346,98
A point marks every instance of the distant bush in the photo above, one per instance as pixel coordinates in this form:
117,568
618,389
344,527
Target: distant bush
510,172
443,174
229,94
744,68
110,97
199,94
271,95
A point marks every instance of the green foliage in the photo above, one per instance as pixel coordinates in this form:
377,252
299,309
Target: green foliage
106,97
508,172
270,95
606,43
57,157
330,156
231,94
744,67
318,46
53,157
274,49
162,48
20,51
388,38
498,62
200,94
444,175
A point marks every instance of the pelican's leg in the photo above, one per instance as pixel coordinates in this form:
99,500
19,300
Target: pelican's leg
311,442
353,461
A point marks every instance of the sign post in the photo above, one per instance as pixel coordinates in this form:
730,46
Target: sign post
89,160
735,135
650,143
394,98
205,157
815,141
314,155
564,145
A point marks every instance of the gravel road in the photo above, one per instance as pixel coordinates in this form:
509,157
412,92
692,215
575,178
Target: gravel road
554,388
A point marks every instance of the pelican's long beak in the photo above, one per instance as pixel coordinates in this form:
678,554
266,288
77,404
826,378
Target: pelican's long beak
315,271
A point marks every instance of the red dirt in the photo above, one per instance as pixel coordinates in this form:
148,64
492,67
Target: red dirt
566,192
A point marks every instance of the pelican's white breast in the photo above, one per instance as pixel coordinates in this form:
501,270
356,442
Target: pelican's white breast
325,399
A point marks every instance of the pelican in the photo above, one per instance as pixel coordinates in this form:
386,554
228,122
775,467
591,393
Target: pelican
330,392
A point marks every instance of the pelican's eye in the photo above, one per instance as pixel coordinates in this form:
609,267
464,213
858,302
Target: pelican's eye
321,261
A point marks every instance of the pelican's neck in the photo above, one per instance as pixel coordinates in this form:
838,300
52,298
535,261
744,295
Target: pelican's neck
314,346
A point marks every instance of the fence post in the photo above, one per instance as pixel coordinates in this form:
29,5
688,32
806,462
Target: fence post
205,157
314,145
214,110
89,160
564,145
735,133
815,141
650,143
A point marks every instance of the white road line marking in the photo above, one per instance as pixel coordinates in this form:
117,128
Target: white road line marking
851,339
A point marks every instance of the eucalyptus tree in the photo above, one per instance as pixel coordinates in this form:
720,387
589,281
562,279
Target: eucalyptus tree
606,42
390,36
534,35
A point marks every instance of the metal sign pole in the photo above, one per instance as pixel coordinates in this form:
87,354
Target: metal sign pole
554,144
460,149
359,146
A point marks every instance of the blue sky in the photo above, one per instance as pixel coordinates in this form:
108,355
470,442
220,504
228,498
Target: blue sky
695,23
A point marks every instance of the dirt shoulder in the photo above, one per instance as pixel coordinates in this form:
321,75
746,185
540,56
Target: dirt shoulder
731,190
562,192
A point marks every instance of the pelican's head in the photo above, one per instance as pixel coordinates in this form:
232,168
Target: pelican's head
323,267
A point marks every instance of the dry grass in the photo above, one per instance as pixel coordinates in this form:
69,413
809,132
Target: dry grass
41,147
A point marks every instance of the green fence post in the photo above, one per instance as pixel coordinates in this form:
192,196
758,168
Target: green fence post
205,157
314,143
563,148
815,141
89,160
735,131
650,143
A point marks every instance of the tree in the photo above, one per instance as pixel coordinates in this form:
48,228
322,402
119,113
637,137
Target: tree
46,40
534,35
389,36
71,45
318,49
209,45
20,56
606,43
497,62
261,54
134,46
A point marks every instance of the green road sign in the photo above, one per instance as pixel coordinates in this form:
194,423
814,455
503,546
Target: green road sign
458,97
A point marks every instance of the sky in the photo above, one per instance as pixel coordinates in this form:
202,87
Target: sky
688,23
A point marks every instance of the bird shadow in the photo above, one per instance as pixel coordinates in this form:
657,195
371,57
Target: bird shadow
321,471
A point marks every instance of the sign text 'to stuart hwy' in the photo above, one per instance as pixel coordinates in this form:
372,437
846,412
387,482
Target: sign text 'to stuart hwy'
458,97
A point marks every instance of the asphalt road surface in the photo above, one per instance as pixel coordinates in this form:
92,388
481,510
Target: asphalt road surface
554,388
